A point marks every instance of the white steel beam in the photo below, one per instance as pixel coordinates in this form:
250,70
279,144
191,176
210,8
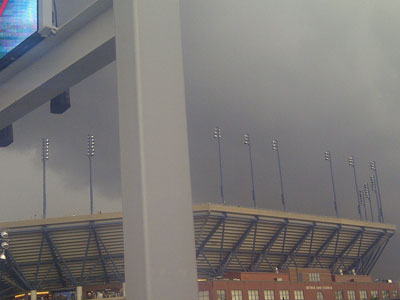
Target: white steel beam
80,47
157,207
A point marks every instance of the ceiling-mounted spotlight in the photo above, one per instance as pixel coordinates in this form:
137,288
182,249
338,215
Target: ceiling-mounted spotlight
5,245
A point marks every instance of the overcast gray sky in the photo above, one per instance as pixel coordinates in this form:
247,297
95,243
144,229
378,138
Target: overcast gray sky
316,75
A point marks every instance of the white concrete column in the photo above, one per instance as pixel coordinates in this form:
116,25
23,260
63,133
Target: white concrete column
124,289
79,293
33,295
157,206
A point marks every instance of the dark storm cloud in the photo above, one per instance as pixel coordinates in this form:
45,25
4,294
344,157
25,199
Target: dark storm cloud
316,75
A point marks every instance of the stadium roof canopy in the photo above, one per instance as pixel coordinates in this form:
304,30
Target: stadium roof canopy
66,252
243,239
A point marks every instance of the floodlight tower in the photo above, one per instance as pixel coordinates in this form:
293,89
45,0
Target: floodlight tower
218,137
351,162
372,165
329,159
90,154
373,188
253,192
276,148
4,244
362,203
45,158
367,195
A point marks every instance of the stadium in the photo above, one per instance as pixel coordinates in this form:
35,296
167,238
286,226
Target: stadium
85,254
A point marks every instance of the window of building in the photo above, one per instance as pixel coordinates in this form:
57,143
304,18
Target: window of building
339,295
351,295
298,295
253,294
375,294
396,294
284,295
237,295
385,295
221,295
204,295
314,277
269,295
320,296
363,295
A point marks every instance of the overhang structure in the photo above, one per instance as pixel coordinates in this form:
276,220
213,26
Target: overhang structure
59,253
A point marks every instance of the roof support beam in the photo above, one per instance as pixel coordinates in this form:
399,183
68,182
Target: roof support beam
347,248
3,291
370,249
39,262
254,245
5,272
228,258
46,275
103,263
377,257
209,264
17,270
323,248
90,273
56,254
311,243
86,254
283,245
209,236
116,270
296,247
55,259
222,243
267,247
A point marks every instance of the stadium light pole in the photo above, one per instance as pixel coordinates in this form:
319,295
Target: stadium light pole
373,188
253,192
367,195
372,165
351,162
45,158
329,159
218,137
276,148
4,244
362,203
90,154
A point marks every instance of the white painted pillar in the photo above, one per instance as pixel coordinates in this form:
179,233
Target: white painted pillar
124,289
157,206
33,295
79,293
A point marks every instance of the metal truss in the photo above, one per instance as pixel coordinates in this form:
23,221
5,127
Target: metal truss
51,268
91,252
289,244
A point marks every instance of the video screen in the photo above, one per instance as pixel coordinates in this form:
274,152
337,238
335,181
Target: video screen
18,21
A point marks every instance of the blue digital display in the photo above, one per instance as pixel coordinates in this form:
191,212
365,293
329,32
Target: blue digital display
18,21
